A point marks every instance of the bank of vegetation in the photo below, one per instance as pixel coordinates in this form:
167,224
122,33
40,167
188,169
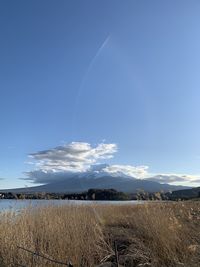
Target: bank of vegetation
154,234
92,194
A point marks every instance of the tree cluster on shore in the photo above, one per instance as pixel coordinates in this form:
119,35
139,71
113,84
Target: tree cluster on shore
91,194
107,194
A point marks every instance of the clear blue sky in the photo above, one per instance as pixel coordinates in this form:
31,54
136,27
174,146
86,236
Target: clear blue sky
126,72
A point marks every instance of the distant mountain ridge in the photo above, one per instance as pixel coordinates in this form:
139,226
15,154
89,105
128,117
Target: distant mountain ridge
79,184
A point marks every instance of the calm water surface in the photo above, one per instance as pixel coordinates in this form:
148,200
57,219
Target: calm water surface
7,204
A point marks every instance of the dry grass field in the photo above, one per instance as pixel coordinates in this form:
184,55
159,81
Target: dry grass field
154,234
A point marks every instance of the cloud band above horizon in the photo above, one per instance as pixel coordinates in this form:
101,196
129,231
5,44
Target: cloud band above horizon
82,159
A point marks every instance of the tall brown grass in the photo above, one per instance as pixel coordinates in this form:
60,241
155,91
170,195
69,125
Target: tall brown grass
64,233
154,234
169,232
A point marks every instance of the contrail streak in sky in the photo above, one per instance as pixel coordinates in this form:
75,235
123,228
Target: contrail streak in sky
94,59
90,66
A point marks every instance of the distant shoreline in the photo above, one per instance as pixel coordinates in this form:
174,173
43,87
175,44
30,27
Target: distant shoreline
106,195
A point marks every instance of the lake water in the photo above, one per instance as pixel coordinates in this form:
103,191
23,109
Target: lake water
11,204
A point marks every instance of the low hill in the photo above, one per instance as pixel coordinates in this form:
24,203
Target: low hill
184,194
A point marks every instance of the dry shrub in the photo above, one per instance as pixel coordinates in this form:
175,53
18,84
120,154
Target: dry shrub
169,230
163,233
160,234
63,233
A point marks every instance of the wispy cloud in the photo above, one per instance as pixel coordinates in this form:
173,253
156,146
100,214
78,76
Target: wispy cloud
127,170
196,181
174,178
167,178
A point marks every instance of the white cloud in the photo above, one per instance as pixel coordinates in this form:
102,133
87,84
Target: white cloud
175,178
95,171
167,178
78,158
73,157
127,170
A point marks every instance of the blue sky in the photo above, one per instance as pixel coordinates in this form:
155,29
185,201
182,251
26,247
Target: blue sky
118,72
